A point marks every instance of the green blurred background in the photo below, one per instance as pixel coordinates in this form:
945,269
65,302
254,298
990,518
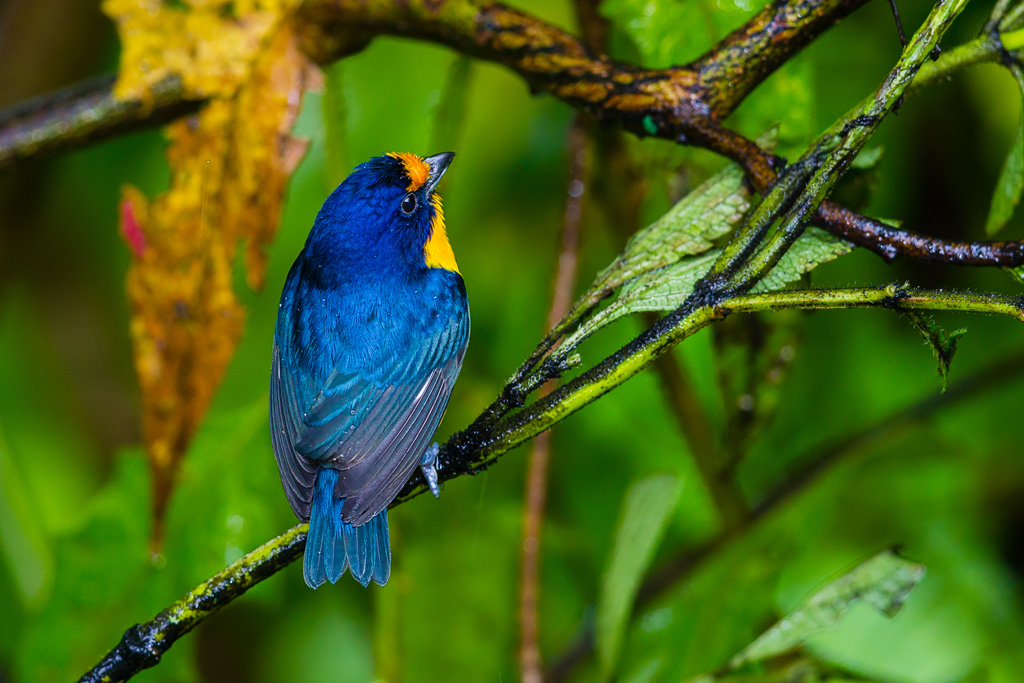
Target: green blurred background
75,570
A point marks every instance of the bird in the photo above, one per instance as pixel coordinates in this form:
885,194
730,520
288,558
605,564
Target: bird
371,333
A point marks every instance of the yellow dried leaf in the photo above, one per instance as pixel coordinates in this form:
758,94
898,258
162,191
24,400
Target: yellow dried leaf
230,166
265,154
209,44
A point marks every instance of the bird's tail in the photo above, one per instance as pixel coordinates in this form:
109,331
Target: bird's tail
332,546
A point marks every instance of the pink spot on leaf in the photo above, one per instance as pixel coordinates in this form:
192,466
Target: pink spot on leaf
131,230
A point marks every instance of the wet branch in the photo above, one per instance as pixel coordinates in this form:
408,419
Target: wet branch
470,452
669,103
83,114
684,104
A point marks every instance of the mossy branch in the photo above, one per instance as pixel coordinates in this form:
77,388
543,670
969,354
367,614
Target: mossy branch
143,645
685,103
81,115
671,102
470,452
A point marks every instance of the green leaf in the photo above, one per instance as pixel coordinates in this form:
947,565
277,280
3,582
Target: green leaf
1010,184
645,513
882,582
666,288
688,228
707,213
942,344
813,248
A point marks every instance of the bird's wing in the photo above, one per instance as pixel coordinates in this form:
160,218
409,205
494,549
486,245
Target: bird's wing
374,431
298,473
373,470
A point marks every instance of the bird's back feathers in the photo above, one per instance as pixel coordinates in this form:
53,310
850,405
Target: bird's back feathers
370,339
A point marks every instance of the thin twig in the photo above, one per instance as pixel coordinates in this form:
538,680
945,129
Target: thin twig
563,284
899,22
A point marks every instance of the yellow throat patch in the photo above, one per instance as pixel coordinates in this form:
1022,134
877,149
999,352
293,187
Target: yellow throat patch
437,252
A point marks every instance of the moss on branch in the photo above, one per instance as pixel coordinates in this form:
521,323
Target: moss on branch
684,104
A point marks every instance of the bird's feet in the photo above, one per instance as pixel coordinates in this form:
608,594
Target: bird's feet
429,466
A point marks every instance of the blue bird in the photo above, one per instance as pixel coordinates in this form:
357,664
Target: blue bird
371,332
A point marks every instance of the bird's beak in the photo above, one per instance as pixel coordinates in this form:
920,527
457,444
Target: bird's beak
437,164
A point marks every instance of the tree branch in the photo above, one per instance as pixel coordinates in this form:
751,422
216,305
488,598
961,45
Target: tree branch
473,449
663,102
84,113
143,645
684,103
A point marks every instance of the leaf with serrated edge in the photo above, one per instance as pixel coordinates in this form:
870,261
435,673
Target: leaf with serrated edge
813,248
666,288
882,581
688,228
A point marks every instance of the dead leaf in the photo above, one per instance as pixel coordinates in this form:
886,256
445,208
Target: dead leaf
209,44
230,166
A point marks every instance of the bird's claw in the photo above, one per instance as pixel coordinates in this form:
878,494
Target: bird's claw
429,466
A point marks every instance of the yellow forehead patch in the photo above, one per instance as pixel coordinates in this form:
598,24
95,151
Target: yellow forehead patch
415,169
437,252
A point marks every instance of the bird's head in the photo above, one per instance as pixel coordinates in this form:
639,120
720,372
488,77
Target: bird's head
387,212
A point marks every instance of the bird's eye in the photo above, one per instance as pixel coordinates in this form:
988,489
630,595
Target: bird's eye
409,204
